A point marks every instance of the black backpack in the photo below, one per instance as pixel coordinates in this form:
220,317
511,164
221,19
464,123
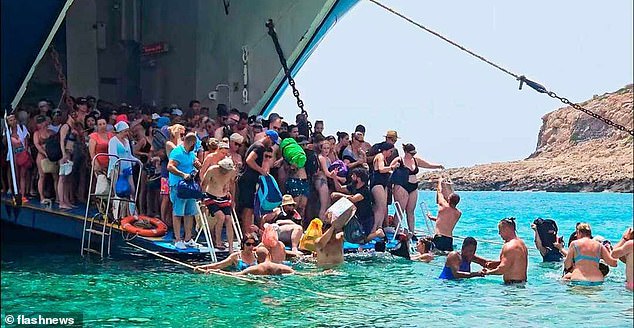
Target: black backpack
53,148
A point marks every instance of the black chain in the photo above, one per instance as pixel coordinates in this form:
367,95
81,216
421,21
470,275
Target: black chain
287,72
536,86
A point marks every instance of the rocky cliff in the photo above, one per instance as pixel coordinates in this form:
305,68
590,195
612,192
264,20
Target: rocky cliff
575,152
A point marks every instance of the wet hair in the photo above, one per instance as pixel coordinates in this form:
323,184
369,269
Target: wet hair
427,243
319,122
361,173
341,135
510,221
469,241
454,199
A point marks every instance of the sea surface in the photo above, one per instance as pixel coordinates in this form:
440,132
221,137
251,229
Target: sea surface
44,274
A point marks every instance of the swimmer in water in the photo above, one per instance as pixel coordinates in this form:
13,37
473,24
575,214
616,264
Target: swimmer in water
267,267
242,259
329,247
423,249
513,257
458,265
584,256
624,250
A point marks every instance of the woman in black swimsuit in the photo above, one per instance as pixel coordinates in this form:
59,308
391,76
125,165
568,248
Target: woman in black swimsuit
379,180
405,181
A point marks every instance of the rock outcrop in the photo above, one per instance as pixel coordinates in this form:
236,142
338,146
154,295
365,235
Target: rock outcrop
575,152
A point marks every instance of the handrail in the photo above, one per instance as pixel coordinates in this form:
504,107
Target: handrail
16,191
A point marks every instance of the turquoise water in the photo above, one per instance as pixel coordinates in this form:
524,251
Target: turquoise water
137,290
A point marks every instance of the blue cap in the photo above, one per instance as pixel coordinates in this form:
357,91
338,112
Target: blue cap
162,121
273,135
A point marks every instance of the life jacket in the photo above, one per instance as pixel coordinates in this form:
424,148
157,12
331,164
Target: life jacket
268,195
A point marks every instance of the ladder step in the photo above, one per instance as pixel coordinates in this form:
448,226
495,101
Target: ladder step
97,232
91,250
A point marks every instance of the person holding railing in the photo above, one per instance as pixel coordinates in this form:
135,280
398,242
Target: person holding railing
18,136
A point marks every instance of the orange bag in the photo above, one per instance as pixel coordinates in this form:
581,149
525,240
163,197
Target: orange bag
269,236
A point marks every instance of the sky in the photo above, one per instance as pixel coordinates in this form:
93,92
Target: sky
376,69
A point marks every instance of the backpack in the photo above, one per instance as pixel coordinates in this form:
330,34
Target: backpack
268,195
353,231
53,148
543,228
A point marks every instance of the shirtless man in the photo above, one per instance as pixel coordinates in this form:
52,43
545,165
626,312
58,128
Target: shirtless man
214,158
448,216
625,251
267,267
218,199
513,258
329,247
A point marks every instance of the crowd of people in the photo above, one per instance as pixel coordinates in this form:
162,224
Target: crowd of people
56,151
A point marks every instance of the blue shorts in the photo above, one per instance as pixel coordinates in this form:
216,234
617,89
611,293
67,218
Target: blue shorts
182,207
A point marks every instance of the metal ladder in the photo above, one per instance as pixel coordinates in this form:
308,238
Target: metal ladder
101,217
208,233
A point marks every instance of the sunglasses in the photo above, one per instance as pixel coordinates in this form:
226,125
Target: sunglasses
250,244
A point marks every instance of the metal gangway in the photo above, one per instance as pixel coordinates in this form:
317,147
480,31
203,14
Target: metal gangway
106,201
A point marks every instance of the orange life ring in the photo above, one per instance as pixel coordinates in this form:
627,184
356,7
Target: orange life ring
127,224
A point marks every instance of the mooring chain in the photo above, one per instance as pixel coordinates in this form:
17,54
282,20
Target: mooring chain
60,72
287,72
536,86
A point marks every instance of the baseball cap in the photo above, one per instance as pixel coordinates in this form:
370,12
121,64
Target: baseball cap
177,112
360,128
155,116
162,121
273,135
409,148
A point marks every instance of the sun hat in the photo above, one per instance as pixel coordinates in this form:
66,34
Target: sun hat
121,126
288,200
392,134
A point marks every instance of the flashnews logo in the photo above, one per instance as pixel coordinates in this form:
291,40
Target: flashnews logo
45,319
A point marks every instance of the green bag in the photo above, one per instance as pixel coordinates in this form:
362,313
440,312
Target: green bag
293,153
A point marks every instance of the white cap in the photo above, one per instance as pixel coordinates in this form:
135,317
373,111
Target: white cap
155,116
226,163
177,112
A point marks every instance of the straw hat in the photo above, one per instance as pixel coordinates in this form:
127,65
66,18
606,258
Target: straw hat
288,200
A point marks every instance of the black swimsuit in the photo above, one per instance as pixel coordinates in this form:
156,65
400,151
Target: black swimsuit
401,177
379,179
